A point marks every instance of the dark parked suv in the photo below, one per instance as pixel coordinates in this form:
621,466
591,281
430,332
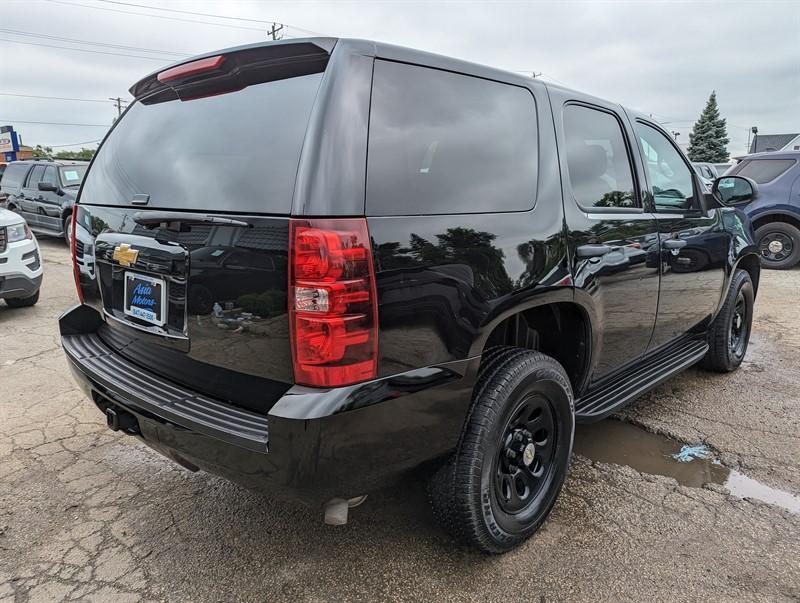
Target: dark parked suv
43,192
343,261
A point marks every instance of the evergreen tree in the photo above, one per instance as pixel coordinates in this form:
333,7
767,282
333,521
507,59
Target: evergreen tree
709,138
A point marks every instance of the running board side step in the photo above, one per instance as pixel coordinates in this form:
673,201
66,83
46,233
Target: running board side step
618,392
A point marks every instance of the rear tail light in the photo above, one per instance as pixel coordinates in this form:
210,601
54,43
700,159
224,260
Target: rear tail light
332,303
190,69
76,274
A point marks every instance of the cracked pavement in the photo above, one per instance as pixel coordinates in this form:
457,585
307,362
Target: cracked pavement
90,515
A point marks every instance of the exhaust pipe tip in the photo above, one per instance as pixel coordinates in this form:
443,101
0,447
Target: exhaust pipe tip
336,512
336,509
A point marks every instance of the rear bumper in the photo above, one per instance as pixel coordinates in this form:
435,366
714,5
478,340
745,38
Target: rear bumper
312,446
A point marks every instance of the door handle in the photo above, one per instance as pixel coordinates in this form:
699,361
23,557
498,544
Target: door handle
674,244
592,251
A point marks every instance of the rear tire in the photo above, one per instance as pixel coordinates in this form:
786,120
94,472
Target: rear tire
778,245
504,477
729,335
23,302
68,230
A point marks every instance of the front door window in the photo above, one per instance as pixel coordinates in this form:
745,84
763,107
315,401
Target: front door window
671,181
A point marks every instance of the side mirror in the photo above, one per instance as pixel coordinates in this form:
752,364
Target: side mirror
733,190
48,187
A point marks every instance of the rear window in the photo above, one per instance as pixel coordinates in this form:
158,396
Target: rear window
14,175
764,170
231,152
442,143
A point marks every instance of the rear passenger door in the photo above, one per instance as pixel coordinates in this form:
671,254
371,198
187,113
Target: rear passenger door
31,193
613,236
694,243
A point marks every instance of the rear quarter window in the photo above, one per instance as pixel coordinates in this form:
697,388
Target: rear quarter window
445,143
764,170
14,176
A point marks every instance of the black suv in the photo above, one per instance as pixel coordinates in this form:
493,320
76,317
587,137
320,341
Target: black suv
43,192
320,264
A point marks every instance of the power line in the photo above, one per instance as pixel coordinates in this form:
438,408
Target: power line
128,12
62,98
184,20
116,54
30,34
74,144
52,123
214,16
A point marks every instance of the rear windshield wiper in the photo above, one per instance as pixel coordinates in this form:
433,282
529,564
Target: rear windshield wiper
152,219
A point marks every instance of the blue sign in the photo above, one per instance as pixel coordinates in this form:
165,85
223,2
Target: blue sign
9,143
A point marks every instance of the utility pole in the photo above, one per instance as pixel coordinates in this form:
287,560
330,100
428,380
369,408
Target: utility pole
275,31
754,130
675,135
118,102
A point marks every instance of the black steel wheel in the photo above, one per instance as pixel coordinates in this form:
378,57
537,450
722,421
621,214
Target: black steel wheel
739,332
778,245
505,476
525,456
729,335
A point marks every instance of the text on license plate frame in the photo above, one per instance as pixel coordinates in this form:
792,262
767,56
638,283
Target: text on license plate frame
142,313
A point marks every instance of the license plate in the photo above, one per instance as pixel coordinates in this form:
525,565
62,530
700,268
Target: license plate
146,298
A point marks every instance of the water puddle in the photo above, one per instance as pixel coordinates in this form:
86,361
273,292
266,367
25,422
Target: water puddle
625,444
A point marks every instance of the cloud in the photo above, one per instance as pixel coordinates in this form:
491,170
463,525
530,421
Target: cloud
657,57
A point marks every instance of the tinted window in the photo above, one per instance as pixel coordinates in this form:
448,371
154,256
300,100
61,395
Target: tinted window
35,176
445,143
764,170
600,172
237,151
72,175
50,175
671,179
706,172
14,175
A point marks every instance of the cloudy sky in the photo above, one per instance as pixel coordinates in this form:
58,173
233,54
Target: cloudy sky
662,58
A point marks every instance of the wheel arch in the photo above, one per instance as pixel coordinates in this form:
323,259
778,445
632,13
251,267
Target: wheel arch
554,325
66,211
752,264
776,216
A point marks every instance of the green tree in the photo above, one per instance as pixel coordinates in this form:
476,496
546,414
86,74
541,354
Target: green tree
709,138
82,154
40,151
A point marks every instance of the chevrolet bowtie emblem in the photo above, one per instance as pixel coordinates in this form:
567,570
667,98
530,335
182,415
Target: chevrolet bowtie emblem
125,255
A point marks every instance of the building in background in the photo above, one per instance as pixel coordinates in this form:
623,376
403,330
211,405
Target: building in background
768,143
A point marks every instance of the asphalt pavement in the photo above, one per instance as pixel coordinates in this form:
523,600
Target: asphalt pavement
88,514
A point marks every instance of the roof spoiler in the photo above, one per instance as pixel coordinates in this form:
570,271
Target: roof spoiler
234,69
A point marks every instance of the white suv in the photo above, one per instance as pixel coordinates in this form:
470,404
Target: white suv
20,261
